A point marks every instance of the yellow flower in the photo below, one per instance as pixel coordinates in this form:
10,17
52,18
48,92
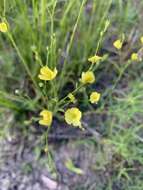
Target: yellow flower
134,57
71,97
141,39
94,97
94,59
73,117
118,44
47,74
87,77
47,118
3,27
46,149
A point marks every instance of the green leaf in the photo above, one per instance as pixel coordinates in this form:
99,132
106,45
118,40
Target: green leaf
70,166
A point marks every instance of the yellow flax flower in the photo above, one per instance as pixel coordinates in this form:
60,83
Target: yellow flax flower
46,118
73,117
46,149
87,77
3,27
94,97
95,59
47,74
141,39
134,57
118,44
71,97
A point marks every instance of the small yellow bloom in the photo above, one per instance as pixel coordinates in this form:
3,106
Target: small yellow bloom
141,39
71,97
118,44
47,118
87,77
95,59
46,149
47,74
73,117
94,97
3,27
134,57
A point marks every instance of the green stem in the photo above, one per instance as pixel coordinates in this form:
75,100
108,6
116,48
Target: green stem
26,67
22,59
74,91
119,78
43,14
71,41
4,8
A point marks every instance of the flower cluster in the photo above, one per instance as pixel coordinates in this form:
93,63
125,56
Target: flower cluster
72,115
118,44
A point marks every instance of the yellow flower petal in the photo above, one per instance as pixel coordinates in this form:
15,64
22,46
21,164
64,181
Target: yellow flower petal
95,59
47,74
73,117
43,77
46,71
46,149
3,27
44,122
87,77
94,97
141,39
134,57
44,113
47,117
118,44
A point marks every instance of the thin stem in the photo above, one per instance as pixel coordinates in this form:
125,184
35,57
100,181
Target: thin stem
46,137
52,17
109,92
25,66
74,29
74,91
4,7
71,39
43,13
22,59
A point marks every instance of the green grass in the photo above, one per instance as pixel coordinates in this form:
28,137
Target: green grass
64,34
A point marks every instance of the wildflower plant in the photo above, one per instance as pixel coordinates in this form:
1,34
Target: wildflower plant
54,58
61,60
39,49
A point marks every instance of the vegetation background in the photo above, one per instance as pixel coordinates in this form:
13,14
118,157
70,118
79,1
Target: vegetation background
65,33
